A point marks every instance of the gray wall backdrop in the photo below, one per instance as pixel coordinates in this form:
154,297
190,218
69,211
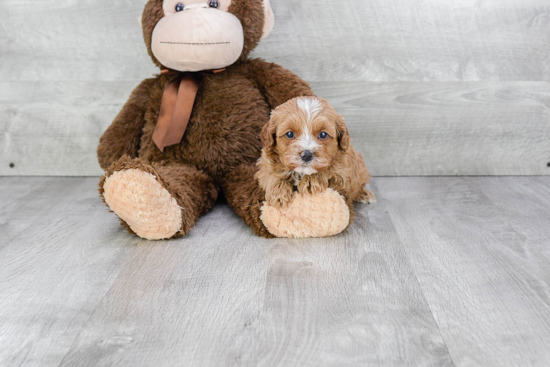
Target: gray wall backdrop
427,87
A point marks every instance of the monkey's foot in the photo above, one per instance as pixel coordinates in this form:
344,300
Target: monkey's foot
142,202
322,215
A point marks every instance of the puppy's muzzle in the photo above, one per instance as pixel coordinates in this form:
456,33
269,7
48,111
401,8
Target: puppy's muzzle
307,156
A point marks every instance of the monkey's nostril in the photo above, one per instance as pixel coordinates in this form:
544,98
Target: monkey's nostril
306,155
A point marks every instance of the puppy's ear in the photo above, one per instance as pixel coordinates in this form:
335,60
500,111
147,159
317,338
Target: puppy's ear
344,139
269,130
343,133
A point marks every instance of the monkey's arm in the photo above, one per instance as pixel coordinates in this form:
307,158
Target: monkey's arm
124,134
277,83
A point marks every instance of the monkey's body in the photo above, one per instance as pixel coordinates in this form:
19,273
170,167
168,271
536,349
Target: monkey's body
224,130
221,144
160,194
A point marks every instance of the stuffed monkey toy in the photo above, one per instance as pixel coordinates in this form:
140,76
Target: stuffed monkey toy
194,129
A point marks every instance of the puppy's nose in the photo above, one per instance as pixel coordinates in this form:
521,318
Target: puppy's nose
306,155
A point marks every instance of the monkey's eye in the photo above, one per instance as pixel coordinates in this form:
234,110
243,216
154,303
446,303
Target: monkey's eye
180,7
323,135
290,135
214,4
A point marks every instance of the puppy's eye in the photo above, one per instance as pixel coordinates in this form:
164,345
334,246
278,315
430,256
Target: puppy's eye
214,4
290,135
180,7
323,135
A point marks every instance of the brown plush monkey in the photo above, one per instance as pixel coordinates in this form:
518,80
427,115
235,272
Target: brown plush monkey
195,129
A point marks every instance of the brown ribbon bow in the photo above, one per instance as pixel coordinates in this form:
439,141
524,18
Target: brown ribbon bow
176,107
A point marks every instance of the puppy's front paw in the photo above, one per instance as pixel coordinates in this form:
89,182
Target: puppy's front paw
313,185
367,197
279,194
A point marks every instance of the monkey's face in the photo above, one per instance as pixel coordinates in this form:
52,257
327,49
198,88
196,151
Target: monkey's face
196,35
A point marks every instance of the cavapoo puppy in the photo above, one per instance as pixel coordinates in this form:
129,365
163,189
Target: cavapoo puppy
307,148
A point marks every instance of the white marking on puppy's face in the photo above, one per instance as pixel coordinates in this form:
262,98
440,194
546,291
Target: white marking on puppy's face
311,106
306,141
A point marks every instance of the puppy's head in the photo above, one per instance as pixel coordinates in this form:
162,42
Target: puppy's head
305,134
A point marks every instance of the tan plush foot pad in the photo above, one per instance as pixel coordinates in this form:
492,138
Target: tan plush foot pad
321,215
142,202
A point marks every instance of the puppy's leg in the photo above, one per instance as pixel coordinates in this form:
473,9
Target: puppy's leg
279,193
366,196
313,184
360,180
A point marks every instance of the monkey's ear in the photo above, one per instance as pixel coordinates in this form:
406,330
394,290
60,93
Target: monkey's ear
269,19
139,20
343,133
268,132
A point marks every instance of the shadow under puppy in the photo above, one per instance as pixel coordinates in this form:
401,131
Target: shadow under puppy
307,148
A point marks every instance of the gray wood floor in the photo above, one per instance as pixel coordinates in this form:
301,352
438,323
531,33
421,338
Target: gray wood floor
440,272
